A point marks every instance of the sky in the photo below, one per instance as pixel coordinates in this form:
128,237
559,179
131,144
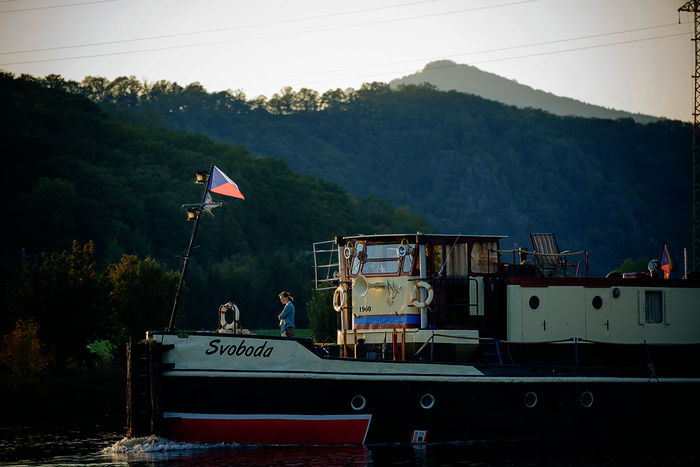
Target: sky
628,55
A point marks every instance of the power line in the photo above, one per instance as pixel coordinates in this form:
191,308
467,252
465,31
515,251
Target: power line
396,72
209,31
228,41
57,6
584,48
499,49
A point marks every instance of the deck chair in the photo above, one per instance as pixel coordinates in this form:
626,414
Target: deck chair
548,258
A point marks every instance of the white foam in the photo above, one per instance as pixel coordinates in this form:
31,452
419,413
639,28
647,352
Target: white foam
156,444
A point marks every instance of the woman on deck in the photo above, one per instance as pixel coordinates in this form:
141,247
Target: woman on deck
287,316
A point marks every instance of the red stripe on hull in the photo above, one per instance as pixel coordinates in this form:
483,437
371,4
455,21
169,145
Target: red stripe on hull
385,326
269,431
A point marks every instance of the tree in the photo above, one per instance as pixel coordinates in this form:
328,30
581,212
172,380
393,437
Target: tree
140,297
24,353
283,102
95,88
64,294
637,265
52,205
306,100
126,90
334,99
322,317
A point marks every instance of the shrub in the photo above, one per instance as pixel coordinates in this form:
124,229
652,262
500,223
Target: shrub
24,354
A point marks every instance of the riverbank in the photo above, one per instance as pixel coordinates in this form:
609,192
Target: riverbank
82,395
73,397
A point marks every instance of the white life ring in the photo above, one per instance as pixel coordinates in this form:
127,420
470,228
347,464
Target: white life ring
339,297
414,298
222,315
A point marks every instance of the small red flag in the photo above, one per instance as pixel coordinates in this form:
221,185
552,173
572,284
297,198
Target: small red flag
667,263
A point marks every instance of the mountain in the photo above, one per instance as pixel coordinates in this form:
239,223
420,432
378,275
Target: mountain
447,75
616,188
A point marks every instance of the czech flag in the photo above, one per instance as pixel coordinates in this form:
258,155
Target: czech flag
220,183
666,261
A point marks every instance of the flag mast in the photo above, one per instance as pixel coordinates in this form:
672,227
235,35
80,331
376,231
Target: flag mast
186,259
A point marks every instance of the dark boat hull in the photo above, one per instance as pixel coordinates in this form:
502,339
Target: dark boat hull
296,397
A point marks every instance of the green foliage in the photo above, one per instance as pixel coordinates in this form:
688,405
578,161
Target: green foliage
299,333
77,305
637,265
140,297
65,295
322,317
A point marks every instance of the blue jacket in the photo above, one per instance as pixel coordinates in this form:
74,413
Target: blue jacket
287,316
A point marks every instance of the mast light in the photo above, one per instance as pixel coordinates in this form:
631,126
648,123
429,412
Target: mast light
201,177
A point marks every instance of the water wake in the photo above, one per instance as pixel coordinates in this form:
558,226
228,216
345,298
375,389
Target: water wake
156,444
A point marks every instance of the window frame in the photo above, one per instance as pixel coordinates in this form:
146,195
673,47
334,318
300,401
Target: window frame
399,261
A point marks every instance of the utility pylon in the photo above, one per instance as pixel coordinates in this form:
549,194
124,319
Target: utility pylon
693,6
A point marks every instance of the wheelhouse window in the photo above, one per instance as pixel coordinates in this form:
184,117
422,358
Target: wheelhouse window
383,251
382,258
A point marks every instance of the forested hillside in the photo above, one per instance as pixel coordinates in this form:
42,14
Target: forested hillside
72,172
470,165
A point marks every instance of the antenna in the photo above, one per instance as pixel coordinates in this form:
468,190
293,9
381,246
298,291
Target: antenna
693,6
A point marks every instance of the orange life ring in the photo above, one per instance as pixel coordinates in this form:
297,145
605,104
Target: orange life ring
339,298
222,315
414,296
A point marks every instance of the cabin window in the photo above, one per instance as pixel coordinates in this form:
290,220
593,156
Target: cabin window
438,256
407,263
457,261
383,251
381,267
381,259
357,258
484,258
653,311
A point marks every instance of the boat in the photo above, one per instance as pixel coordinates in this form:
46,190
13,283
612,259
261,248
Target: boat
440,338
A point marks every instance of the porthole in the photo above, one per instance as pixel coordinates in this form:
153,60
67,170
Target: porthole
597,302
358,402
586,399
616,292
427,401
534,302
530,400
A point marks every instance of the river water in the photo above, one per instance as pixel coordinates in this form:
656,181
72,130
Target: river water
103,447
